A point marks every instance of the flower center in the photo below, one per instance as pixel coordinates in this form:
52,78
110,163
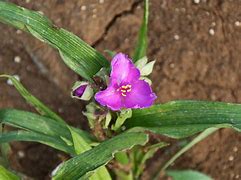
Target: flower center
124,89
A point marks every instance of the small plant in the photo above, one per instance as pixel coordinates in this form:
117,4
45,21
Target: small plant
120,112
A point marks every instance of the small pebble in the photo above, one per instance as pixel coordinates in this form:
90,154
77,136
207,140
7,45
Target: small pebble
94,16
19,31
196,1
101,1
211,32
172,65
176,37
235,149
231,158
237,23
237,176
83,8
41,12
213,24
61,110
17,59
9,82
21,154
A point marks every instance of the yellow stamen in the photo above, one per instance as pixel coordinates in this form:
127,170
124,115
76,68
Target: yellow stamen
123,94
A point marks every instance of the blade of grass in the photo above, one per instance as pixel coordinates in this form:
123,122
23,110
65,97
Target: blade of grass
82,165
184,118
40,107
7,175
20,135
142,42
81,57
34,122
196,140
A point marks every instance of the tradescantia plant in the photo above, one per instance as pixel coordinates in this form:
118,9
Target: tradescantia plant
121,108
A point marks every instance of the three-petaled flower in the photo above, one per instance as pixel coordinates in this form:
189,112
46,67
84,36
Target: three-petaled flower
125,89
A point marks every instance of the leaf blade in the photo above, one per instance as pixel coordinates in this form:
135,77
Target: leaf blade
98,156
7,175
39,106
187,175
20,135
82,58
179,119
141,47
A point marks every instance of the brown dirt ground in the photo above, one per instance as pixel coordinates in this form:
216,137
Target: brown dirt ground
197,48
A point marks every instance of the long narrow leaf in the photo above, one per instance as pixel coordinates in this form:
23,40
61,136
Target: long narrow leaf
40,107
83,164
80,146
180,119
142,43
196,140
54,142
81,58
187,175
7,175
39,124
33,122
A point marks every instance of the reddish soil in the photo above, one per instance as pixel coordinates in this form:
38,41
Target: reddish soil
197,48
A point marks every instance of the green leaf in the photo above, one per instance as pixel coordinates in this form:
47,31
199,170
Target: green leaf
142,43
39,124
34,122
20,135
179,119
140,156
196,140
122,157
78,55
101,174
7,175
152,150
80,146
122,116
187,175
83,164
147,69
40,107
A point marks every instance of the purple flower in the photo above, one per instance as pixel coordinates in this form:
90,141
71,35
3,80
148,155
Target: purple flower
125,90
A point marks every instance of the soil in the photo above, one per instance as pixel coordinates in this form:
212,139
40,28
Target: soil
197,46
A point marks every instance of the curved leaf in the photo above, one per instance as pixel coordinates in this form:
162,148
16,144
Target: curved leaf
40,107
141,47
187,175
83,164
54,142
7,175
180,119
39,124
80,57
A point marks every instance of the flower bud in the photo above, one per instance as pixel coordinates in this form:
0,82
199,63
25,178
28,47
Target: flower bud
82,90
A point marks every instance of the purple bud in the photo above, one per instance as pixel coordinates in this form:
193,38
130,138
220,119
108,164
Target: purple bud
79,91
82,90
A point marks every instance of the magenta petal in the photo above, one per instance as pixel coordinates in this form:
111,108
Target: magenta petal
141,95
110,98
123,70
